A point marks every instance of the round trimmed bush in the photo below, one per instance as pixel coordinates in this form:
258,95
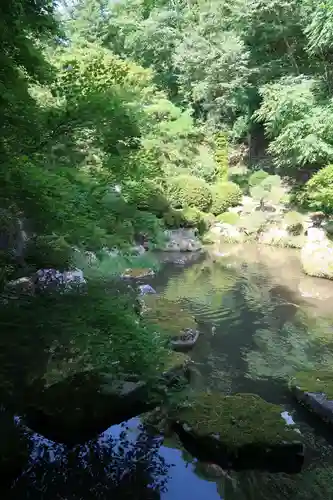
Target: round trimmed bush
229,218
257,177
225,195
173,219
148,196
189,191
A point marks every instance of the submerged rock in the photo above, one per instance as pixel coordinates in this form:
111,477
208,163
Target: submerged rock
314,389
179,326
239,432
137,273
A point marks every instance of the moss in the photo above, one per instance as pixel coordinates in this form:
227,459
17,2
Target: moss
168,316
314,381
176,360
229,218
238,420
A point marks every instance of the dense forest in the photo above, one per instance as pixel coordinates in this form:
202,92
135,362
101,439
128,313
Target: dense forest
126,118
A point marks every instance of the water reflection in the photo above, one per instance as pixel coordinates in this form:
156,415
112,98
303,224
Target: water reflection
258,326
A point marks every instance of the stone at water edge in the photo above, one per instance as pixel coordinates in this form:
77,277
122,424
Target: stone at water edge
137,273
171,320
146,289
314,389
80,407
239,432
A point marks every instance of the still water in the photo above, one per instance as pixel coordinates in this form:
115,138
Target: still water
260,320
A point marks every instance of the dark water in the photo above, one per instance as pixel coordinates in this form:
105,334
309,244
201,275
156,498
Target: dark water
260,320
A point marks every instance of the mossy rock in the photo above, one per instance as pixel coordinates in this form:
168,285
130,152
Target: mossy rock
137,273
315,381
177,361
238,419
238,432
85,404
168,316
294,223
314,389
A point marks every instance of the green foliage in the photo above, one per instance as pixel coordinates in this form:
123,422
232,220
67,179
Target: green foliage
189,191
225,195
146,195
221,156
257,177
229,218
319,190
270,190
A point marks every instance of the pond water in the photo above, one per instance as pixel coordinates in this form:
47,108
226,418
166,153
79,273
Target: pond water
260,320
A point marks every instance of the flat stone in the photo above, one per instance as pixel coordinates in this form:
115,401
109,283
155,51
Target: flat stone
314,389
239,432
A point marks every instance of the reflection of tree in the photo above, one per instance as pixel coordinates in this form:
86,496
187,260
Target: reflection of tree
113,467
311,484
201,283
281,351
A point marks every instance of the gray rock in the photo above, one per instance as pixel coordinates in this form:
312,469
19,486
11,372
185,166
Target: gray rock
317,402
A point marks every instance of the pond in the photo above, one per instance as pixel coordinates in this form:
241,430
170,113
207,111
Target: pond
260,320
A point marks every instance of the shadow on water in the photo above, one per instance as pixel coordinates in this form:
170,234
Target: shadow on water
257,328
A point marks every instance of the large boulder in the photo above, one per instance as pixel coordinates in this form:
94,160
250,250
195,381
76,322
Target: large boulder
80,407
317,254
177,324
314,389
226,232
181,240
239,432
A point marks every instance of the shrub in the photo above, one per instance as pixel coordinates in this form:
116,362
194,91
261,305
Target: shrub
270,190
294,222
229,218
147,195
221,156
49,252
257,177
189,191
191,217
208,220
253,223
319,190
225,195
173,218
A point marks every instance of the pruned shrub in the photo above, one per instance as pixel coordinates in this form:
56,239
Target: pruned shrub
257,177
189,191
147,195
225,195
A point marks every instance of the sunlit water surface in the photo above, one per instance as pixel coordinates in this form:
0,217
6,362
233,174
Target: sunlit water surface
260,320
